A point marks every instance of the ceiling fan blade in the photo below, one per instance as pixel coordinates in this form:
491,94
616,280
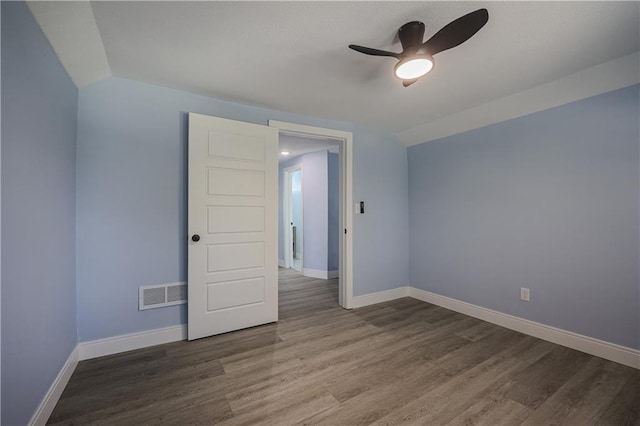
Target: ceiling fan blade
456,32
407,83
374,52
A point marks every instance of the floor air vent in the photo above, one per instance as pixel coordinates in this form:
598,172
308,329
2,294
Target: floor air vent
159,296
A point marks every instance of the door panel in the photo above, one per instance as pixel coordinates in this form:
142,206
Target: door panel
232,294
227,219
223,144
227,257
233,277
235,182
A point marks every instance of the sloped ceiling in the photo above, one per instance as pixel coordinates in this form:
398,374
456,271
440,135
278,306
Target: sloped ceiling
293,56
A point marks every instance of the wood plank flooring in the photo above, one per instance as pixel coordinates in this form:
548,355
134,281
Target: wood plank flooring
400,362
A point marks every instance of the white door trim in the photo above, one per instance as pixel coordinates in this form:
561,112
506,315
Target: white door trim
287,215
345,295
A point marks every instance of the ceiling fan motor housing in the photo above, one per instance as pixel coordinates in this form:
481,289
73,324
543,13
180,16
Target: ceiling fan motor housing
411,35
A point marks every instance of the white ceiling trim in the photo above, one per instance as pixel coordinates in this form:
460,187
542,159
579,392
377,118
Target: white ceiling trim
72,30
612,75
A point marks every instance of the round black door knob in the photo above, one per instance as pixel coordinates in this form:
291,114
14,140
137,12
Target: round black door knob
195,238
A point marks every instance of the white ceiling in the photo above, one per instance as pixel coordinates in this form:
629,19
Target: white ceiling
293,56
298,145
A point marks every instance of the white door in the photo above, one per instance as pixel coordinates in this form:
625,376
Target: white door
233,252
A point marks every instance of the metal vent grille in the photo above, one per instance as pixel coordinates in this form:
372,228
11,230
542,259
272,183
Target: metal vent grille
176,293
158,296
153,296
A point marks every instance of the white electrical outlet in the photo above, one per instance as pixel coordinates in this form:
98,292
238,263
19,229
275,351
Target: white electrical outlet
524,294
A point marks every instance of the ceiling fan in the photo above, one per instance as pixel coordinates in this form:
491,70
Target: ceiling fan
416,58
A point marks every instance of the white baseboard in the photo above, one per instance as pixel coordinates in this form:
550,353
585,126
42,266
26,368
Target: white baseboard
52,396
379,297
281,263
599,348
129,342
318,273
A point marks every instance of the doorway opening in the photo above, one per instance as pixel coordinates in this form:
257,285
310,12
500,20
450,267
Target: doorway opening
323,230
293,214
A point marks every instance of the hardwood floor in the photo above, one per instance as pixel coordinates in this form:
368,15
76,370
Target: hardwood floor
400,362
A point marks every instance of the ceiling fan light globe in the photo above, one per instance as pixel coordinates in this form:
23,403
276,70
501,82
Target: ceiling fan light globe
413,67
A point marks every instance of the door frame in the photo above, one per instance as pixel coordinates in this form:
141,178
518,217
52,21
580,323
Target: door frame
288,214
345,139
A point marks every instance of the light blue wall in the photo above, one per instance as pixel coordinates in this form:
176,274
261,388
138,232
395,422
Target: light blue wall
315,208
381,252
548,201
322,209
131,200
39,112
334,212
